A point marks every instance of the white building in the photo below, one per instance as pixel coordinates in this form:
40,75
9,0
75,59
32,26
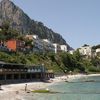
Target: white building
46,40
57,47
45,45
48,46
31,37
71,51
86,50
60,48
35,36
63,48
98,52
38,45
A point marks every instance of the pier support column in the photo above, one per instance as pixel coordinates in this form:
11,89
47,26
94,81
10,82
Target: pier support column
19,76
12,77
5,77
41,75
25,77
30,76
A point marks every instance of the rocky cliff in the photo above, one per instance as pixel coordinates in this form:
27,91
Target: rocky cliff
21,22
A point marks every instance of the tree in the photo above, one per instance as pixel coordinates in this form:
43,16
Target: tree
7,32
95,61
77,55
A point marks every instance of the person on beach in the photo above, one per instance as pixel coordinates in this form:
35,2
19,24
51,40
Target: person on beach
67,77
25,87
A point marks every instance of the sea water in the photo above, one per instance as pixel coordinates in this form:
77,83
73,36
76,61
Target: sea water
87,88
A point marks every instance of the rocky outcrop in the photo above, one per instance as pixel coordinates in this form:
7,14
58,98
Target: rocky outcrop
19,21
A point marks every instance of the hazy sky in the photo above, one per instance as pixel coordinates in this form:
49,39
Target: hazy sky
78,21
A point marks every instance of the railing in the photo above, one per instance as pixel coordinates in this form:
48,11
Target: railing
21,70
13,70
34,70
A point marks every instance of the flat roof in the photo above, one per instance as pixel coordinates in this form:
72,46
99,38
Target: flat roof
17,66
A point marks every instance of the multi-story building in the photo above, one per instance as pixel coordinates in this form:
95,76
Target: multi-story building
38,45
60,48
57,48
10,73
14,45
98,52
48,46
86,51
64,48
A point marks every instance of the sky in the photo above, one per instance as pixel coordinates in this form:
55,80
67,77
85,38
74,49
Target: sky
78,21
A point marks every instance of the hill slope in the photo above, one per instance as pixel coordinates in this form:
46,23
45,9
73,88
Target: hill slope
21,22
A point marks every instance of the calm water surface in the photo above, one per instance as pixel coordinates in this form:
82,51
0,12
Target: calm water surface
80,89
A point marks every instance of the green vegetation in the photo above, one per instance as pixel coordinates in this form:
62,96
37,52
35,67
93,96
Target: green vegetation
6,33
95,47
59,63
41,91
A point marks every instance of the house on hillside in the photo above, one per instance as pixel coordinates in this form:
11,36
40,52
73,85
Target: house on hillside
31,37
48,46
98,52
63,48
57,47
14,45
44,45
38,45
60,48
86,51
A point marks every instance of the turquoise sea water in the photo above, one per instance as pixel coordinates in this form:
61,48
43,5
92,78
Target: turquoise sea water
80,89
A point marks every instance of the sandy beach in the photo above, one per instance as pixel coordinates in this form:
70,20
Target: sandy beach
15,91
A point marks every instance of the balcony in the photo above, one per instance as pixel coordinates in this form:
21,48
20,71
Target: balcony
12,70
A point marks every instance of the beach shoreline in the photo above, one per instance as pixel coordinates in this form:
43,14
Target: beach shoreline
15,91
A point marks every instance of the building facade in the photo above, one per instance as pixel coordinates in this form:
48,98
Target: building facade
86,51
38,45
44,45
98,52
63,48
10,73
14,45
57,48
48,46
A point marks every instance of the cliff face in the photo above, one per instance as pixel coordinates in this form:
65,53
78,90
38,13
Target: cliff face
16,17
21,22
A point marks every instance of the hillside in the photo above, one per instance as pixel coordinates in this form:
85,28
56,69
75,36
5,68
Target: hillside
59,63
24,25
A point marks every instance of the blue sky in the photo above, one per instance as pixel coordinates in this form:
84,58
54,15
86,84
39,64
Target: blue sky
78,21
